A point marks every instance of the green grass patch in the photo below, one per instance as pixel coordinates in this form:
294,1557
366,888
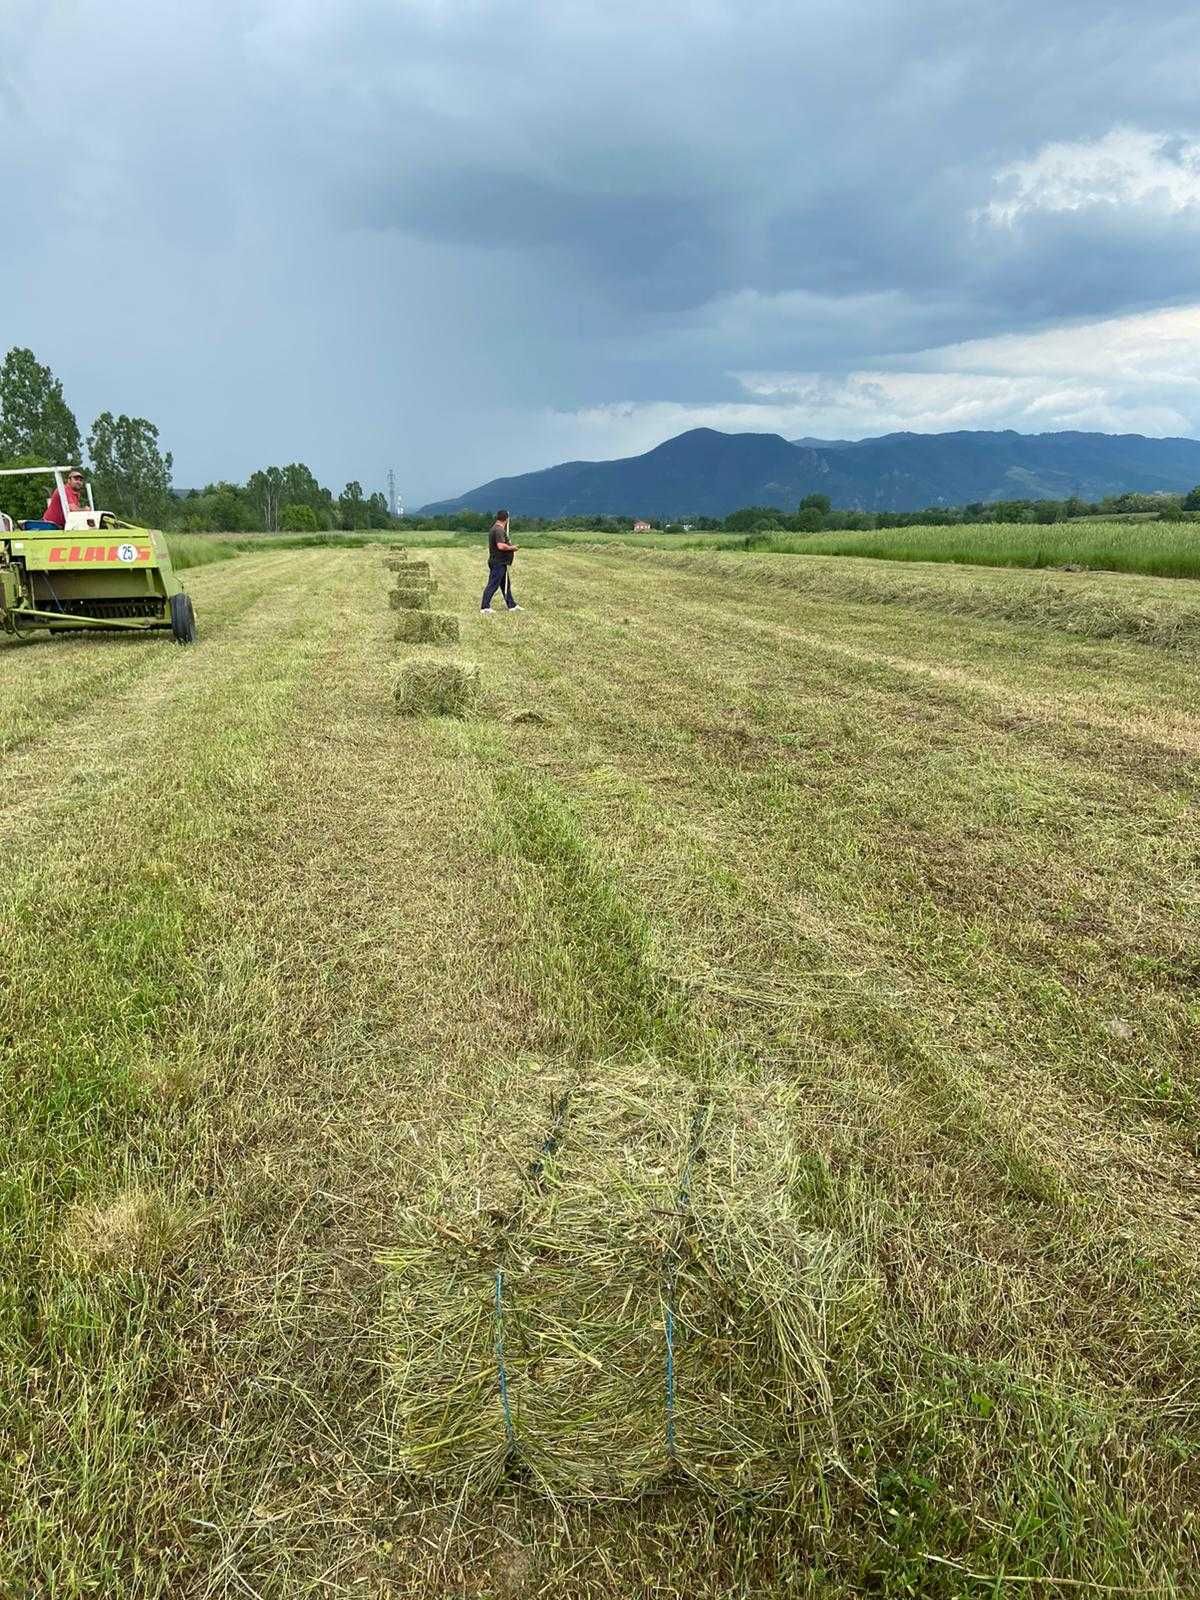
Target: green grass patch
197,550
1165,550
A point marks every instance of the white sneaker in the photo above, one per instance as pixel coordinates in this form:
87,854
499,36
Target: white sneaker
486,611
516,608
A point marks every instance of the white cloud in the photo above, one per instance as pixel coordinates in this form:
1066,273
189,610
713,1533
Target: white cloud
1127,167
1136,374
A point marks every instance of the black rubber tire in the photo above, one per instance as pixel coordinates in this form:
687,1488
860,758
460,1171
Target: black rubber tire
183,619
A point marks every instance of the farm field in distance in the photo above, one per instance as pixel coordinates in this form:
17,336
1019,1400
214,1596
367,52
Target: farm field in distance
1160,549
1154,549
914,851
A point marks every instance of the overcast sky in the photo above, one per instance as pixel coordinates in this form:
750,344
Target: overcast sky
472,237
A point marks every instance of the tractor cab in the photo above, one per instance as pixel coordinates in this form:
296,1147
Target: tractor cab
97,571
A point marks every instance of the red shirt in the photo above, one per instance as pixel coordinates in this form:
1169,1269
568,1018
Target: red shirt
54,510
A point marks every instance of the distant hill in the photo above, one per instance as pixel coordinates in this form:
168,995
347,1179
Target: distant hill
710,474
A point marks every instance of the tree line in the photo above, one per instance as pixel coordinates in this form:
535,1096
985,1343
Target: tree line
131,474
817,514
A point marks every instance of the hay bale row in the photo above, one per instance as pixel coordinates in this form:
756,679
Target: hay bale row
436,688
660,1221
427,627
425,688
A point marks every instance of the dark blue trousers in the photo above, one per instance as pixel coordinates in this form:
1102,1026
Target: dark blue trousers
498,582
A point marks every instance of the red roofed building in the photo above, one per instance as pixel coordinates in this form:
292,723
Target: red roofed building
641,527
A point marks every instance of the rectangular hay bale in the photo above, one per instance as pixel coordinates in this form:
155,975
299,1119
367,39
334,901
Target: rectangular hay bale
436,687
667,1219
409,599
427,627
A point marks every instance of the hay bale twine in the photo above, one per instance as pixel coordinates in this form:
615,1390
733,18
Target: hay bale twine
410,599
437,688
427,627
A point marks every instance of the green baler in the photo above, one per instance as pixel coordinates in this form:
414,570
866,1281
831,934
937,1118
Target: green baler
96,572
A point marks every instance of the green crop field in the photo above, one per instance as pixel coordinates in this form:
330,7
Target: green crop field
901,864
1158,549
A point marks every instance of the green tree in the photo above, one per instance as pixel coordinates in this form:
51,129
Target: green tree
752,519
809,519
300,488
35,420
1191,500
25,498
352,507
298,519
267,487
129,473
816,502
378,515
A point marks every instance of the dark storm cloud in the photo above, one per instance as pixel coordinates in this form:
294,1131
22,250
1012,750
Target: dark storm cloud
434,233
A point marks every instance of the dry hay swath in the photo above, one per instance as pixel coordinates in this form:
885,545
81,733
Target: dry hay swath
427,627
414,599
436,688
609,1281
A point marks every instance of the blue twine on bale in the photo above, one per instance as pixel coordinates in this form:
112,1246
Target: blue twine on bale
670,1330
535,1174
502,1374
683,1205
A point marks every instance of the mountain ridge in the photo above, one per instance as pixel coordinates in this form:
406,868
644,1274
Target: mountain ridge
704,472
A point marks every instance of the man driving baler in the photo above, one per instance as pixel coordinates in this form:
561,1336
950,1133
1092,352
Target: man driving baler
54,512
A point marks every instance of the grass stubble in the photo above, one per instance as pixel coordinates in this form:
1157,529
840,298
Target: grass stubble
251,1023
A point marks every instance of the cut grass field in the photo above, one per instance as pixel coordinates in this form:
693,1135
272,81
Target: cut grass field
924,875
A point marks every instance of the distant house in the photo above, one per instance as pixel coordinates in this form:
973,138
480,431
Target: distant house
641,527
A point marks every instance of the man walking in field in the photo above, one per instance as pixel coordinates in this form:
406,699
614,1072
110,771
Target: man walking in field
500,556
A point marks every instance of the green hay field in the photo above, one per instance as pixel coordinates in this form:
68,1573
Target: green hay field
913,867
1159,549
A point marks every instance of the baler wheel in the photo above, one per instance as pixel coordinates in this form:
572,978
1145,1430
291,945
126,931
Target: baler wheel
183,619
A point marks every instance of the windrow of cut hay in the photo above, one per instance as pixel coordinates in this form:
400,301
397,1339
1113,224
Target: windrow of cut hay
607,1281
1162,612
427,627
